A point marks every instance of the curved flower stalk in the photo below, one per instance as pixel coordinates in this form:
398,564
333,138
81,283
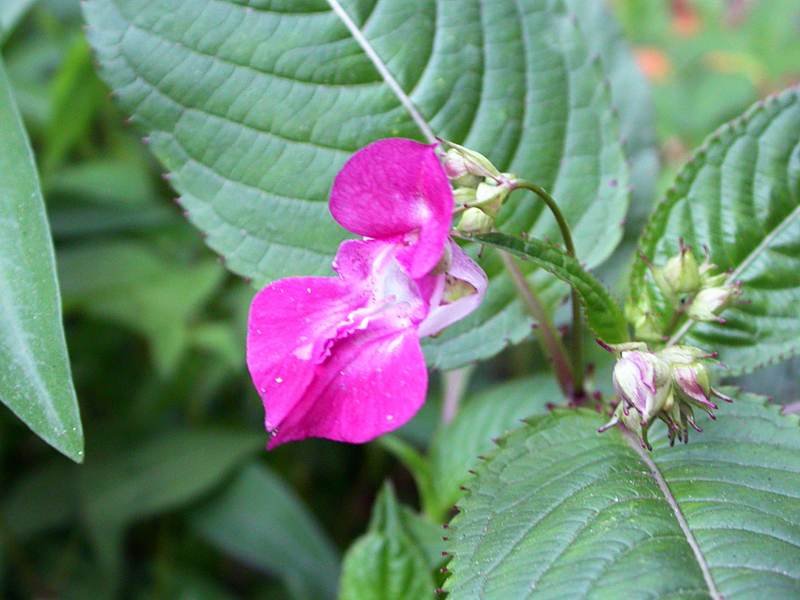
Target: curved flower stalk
340,357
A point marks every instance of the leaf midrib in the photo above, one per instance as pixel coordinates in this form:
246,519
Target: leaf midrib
383,70
633,442
28,363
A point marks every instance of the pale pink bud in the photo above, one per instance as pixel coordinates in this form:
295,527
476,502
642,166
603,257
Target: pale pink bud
641,381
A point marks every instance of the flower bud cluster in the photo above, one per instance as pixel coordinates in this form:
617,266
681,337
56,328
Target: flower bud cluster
698,290
479,188
666,385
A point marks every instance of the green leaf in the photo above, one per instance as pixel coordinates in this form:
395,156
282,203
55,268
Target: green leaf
254,110
399,521
456,446
35,379
631,96
603,313
392,561
561,511
118,183
261,521
740,196
76,94
378,567
133,284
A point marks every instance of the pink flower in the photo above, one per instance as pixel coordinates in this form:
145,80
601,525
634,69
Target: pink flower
340,357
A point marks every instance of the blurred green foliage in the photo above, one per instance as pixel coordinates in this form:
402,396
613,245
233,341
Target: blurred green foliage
155,328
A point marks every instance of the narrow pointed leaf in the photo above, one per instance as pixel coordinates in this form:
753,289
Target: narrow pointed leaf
603,313
35,379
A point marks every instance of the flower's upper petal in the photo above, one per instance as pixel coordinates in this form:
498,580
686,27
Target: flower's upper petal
374,381
396,189
292,325
467,281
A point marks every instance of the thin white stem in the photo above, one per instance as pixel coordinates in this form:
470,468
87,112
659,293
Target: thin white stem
407,103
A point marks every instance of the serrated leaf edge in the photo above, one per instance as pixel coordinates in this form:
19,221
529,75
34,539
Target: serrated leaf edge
533,424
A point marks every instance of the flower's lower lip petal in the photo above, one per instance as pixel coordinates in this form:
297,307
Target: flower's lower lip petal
464,268
291,325
373,382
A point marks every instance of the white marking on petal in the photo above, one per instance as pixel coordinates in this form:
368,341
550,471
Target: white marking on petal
304,352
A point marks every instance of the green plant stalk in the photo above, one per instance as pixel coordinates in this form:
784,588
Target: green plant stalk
548,336
577,318
420,469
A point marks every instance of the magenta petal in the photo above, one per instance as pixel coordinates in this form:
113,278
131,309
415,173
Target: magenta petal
291,326
373,382
361,261
397,189
463,268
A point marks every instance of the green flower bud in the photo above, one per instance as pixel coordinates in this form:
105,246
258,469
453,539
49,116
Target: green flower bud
632,421
475,221
684,355
645,324
710,301
681,274
464,197
461,161
708,278
490,195
457,169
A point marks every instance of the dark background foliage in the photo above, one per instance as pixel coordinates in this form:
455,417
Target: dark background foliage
177,495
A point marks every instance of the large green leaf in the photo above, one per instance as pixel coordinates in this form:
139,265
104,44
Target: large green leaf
602,311
254,109
261,521
561,511
455,447
740,196
35,379
631,95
